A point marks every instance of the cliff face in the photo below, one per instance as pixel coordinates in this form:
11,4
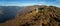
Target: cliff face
36,16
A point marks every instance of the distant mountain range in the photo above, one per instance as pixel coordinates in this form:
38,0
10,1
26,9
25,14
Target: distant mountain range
8,12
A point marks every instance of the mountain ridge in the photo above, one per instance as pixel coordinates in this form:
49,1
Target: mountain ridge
36,16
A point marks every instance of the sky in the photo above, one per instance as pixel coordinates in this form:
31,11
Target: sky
29,2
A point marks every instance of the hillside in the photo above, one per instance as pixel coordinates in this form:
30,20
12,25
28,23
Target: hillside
36,16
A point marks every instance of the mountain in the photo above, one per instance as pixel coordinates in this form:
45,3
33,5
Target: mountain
36,16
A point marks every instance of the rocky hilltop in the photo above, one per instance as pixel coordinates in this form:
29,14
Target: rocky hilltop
36,16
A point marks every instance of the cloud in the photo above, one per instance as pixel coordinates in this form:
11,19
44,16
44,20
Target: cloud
41,3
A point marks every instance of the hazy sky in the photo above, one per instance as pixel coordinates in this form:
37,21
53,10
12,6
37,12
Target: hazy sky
29,2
